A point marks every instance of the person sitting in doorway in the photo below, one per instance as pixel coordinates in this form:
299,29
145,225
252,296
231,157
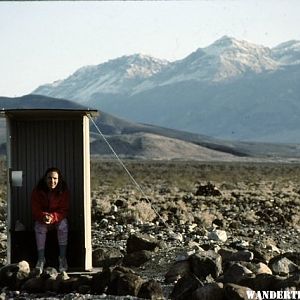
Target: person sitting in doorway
50,207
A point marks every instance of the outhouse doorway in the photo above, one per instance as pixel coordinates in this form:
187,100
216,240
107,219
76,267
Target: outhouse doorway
36,140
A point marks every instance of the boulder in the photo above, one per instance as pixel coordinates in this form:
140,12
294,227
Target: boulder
259,268
69,285
281,265
231,255
138,241
151,290
177,270
106,257
124,282
137,258
211,291
262,282
207,190
206,263
236,273
47,281
13,275
36,285
185,287
237,292
100,281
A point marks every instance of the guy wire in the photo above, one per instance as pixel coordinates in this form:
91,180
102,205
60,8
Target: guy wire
127,171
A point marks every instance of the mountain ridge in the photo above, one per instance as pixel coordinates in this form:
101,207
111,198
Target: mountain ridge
145,141
242,85
221,47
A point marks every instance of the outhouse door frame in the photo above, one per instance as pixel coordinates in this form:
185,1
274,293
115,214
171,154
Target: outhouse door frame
38,139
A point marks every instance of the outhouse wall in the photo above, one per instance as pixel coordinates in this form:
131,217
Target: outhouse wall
38,140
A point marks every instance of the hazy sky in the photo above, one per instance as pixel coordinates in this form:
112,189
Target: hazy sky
41,42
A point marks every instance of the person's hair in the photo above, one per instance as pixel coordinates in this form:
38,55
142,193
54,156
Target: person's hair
61,185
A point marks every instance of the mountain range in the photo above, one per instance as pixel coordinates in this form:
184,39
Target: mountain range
231,89
143,141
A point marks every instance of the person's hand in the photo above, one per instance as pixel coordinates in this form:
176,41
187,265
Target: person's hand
48,218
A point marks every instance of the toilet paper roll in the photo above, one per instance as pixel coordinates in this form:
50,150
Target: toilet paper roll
16,178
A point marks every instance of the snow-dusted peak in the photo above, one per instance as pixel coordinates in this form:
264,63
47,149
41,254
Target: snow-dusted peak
130,66
222,44
139,58
289,45
225,59
118,75
287,53
141,66
228,44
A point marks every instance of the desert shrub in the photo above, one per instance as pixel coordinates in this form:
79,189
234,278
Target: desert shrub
141,211
144,212
295,218
100,207
206,217
249,217
104,206
183,212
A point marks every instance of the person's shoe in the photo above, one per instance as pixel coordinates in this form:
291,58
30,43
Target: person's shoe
40,265
63,265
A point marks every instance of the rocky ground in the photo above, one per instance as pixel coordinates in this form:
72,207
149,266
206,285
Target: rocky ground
190,230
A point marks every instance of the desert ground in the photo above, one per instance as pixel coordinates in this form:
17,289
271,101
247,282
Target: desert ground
180,203
255,197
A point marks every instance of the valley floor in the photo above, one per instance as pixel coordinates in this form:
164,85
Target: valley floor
257,204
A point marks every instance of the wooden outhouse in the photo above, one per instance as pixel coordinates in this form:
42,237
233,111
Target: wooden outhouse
39,138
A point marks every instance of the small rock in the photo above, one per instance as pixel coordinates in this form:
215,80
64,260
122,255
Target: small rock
176,236
103,223
273,248
184,255
114,209
195,246
192,227
64,276
24,269
121,203
49,273
119,228
218,235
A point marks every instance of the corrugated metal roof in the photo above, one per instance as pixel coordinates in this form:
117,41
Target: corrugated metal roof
41,104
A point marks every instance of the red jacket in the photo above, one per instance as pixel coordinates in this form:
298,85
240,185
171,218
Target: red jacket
57,204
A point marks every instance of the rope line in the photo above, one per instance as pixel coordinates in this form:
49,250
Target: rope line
127,171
